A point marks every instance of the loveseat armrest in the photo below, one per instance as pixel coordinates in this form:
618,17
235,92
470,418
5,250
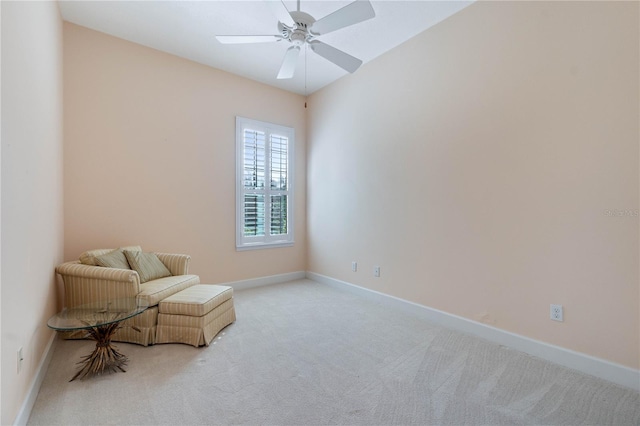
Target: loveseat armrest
87,284
177,264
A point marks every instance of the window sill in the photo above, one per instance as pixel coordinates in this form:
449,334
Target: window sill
259,246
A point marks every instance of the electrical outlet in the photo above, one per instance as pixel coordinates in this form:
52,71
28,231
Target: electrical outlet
20,359
376,271
557,313
354,266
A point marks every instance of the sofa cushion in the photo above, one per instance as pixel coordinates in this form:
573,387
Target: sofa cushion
147,265
196,300
89,257
154,291
113,259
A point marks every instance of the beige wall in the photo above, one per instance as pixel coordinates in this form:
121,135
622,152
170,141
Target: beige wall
476,164
32,189
150,156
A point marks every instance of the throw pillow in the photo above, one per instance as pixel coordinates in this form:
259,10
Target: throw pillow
114,259
147,265
89,257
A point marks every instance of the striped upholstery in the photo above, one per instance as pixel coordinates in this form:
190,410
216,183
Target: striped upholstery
148,266
146,322
196,301
88,257
195,331
178,264
87,284
113,259
195,315
154,291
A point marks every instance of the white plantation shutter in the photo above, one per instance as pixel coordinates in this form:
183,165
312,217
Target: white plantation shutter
264,189
279,163
254,159
254,165
279,150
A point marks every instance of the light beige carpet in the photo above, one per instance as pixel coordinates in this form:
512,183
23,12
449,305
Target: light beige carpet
304,353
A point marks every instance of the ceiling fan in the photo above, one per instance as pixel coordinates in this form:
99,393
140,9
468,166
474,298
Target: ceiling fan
299,28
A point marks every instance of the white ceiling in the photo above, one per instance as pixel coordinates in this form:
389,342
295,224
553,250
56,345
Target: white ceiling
188,28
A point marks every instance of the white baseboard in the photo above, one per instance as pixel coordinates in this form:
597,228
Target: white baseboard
27,405
272,279
588,364
598,367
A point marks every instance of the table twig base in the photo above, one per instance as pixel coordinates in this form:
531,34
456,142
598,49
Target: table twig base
104,358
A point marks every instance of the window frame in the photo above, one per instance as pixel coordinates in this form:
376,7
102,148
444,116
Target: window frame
244,242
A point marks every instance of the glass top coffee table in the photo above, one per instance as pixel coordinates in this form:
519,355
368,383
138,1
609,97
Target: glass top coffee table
101,320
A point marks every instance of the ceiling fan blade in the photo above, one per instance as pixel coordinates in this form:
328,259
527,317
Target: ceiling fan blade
280,11
289,63
358,11
240,39
338,57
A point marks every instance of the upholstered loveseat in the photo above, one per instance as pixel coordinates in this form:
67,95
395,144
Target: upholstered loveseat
85,281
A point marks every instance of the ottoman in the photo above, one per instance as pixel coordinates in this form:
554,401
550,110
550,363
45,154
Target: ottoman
195,315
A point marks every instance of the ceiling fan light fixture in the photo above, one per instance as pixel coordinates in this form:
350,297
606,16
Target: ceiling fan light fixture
298,38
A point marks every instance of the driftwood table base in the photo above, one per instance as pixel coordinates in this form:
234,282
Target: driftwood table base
104,358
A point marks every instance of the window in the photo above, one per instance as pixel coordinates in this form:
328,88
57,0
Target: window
264,184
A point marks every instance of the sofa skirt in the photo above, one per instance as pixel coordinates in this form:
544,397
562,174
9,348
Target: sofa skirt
145,322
